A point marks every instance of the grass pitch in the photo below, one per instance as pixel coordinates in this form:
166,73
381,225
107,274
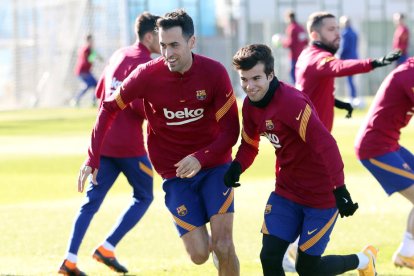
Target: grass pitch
40,155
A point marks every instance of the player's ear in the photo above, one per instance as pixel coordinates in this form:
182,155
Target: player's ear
314,35
191,41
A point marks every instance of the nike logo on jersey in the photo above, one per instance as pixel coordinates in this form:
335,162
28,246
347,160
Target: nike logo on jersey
345,200
228,94
226,192
313,231
298,117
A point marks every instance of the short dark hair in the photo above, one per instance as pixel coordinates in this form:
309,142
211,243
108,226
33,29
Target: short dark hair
315,20
145,23
177,18
247,57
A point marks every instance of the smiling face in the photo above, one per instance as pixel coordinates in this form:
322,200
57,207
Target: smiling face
255,82
176,49
328,33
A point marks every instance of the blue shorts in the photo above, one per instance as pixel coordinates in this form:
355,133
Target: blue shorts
193,201
287,220
394,170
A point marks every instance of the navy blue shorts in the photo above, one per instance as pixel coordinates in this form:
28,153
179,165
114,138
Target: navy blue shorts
394,170
193,201
287,220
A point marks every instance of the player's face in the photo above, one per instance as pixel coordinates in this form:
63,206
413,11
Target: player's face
176,49
255,82
329,33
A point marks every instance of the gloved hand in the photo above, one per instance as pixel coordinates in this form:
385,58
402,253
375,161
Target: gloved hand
344,202
232,176
343,105
387,59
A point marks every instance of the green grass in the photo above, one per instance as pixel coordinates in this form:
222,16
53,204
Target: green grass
40,155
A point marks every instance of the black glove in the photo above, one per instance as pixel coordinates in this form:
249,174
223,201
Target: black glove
232,176
386,60
343,105
344,202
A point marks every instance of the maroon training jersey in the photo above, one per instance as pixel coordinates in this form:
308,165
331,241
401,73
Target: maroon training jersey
194,113
308,156
82,64
296,39
401,39
391,110
316,70
124,138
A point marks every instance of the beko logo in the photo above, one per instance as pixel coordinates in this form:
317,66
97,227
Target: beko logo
188,116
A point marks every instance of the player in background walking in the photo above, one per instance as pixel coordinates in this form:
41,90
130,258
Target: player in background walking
122,151
348,49
317,66
310,189
296,40
378,149
83,69
193,124
401,38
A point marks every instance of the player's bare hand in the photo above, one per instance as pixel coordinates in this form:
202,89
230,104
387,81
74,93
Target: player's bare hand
188,167
84,173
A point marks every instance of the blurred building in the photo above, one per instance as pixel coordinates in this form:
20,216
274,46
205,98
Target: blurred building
39,38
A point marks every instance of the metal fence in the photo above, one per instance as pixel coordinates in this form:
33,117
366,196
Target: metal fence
39,39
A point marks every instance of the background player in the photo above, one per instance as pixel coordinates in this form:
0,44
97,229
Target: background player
122,151
401,38
83,69
379,151
317,66
193,124
310,188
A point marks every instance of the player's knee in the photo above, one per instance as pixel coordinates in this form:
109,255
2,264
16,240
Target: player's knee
199,257
306,265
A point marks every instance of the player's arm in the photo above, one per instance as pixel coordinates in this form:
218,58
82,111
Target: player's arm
247,152
127,92
312,131
328,65
227,117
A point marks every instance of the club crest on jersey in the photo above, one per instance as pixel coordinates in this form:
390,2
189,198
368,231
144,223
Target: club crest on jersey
268,208
201,95
269,125
182,210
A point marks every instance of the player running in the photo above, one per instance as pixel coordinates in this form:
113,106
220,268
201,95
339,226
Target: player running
379,151
310,190
193,124
122,151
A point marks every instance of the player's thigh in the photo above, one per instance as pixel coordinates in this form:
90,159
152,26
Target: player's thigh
184,204
391,170
221,226
216,196
282,218
139,173
197,241
316,229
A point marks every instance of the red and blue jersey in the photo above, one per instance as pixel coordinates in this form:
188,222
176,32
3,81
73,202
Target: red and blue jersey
308,156
194,113
124,138
316,70
391,110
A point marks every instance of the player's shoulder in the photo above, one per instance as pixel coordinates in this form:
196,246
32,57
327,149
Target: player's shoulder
208,63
